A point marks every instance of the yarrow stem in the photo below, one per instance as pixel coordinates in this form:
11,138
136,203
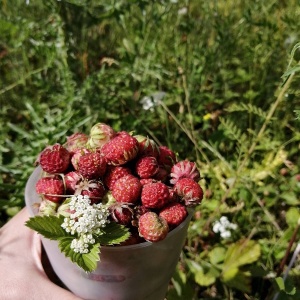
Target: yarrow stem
85,221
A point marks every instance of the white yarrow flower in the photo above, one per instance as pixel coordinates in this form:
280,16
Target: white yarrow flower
224,227
85,220
149,102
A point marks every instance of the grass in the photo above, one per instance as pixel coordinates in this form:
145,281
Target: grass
223,80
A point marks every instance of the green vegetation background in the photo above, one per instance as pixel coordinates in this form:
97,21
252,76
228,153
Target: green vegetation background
221,85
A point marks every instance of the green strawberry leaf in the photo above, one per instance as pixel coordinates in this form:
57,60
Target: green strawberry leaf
237,279
241,253
113,233
205,274
86,261
48,226
217,255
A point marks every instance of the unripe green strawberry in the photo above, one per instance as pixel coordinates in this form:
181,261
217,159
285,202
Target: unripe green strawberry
100,134
64,208
75,142
152,227
48,208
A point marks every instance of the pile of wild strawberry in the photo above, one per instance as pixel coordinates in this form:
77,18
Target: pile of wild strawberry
143,184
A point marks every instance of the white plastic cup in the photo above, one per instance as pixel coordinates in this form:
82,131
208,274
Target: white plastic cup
135,272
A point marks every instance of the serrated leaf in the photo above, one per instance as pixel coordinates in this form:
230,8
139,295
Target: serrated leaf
285,286
113,233
48,226
241,253
204,275
230,274
181,287
290,287
238,280
217,255
206,279
290,198
280,283
86,261
292,216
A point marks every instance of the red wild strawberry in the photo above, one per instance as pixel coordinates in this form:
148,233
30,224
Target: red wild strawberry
52,188
127,189
100,134
92,165
147,180
189,191
147,147
71,180
120,149
152,227
113,173
76,156
166,158
174,214
155,195
92,188
184,169
76,141
146,167
121,213
55,159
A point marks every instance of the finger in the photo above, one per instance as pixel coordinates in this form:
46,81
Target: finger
29,283
21,272
16,237
49,291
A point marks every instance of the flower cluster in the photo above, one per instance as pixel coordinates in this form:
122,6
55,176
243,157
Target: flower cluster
85,220
223,226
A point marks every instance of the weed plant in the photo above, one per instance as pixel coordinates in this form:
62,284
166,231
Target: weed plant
217,81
